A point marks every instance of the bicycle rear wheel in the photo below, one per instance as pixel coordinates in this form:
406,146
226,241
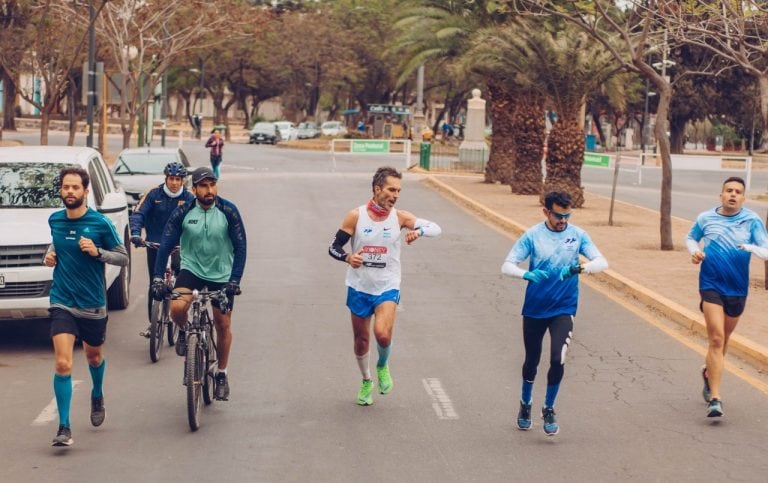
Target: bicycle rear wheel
193,374
156,329
208,377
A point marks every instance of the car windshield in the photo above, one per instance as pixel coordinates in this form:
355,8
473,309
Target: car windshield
30,185
331,124
143,163
264,127
306,125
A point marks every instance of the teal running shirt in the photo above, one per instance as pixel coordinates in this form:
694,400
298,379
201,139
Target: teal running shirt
78,278
207,247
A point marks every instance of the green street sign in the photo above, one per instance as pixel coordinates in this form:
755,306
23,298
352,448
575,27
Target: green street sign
593,159
364,146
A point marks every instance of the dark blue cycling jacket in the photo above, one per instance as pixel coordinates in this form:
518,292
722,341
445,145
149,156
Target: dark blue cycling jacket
153,211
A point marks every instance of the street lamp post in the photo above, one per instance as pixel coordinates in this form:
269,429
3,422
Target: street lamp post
91,73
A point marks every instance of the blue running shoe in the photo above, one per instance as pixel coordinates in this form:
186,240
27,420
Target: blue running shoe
524,417
706,393
715,408
550,422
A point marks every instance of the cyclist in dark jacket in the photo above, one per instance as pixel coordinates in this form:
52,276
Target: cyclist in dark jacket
154,209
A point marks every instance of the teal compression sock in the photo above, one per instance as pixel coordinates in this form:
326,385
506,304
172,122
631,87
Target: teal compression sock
383,355
62,389
549,399
97,376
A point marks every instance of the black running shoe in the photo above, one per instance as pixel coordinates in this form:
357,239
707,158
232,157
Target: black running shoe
63,437
715,408
97,410
221,387
181,344
524,417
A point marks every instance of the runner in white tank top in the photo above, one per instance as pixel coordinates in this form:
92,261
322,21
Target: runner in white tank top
373,275
379,245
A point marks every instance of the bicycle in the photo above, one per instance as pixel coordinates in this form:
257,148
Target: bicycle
200,359
160,313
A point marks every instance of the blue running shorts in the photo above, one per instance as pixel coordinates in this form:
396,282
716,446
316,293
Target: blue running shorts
363,305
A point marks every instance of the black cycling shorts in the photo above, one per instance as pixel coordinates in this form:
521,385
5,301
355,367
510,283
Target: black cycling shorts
732,306
187,279
91,331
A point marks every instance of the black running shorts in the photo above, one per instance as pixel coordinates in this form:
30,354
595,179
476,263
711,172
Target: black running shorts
732,306
91,331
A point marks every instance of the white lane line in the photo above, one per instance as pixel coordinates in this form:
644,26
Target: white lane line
441,403
50,412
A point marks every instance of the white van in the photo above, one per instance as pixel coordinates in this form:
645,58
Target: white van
28,195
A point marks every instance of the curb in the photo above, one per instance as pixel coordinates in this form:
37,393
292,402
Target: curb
752,352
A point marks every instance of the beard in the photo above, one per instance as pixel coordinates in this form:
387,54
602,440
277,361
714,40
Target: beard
72,204
206,202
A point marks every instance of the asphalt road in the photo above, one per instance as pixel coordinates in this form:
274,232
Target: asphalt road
629,408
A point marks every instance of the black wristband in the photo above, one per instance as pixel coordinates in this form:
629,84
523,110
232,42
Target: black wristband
577,269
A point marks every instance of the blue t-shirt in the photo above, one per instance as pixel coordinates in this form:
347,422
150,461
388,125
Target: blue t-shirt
78,278
551,251
725,268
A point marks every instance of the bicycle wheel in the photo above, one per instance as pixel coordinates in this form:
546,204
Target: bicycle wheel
208,377
156,330
173,329
192,376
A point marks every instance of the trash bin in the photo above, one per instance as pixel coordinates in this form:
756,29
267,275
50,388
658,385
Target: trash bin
424,152
591,142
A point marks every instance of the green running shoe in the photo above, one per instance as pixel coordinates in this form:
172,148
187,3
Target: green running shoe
365,395
385,379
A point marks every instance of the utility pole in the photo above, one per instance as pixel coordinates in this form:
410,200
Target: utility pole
91,73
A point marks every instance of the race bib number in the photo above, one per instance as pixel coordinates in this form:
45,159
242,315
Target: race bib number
374,256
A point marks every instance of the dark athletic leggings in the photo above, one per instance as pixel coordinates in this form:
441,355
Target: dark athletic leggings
560,331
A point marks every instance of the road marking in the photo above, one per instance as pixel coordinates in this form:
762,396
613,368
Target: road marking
50,412
441,403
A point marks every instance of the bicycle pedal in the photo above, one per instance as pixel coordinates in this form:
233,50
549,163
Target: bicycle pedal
144,334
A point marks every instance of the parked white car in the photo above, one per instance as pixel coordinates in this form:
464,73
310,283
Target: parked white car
333,128
28,195
287,129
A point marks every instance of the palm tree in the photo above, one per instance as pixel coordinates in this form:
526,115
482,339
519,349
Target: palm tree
441,31
561,63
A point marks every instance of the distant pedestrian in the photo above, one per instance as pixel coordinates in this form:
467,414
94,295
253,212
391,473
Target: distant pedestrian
551,297
729,233
216,143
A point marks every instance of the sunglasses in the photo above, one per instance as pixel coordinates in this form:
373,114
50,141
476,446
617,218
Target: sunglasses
560,216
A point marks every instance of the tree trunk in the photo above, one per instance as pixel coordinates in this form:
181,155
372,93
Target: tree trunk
677,135
565,157
45,120
9,101
763,82
529,144
501,161
660,131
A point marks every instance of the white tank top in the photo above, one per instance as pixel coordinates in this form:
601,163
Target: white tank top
380,243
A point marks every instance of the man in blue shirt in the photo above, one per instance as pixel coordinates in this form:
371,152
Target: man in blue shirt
83,241
729,233
551,297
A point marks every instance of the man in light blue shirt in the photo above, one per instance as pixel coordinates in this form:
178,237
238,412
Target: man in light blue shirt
721,240
551,297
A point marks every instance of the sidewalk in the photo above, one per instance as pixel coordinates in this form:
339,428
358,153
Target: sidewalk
663,281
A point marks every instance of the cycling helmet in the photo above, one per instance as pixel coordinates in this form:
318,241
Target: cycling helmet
175,169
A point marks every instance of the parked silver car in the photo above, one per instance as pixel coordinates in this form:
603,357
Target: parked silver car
307,130
138,170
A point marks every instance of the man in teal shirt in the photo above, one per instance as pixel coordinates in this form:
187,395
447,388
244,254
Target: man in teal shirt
83,241
211,235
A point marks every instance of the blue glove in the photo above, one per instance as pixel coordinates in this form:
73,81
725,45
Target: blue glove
568,272
536,276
